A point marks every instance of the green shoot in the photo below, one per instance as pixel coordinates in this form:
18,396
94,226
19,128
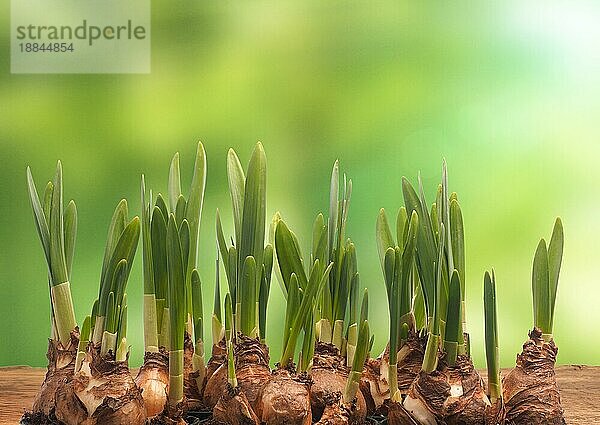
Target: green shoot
265,288
453,337
198,357
440,254
229,337
341,253
57,229
430,360
218,331
308,342
362,351
158,237
150,314
546,270
228,318
231,376
397,266
84,339
247,262
123,236
491,337
177,311
301,293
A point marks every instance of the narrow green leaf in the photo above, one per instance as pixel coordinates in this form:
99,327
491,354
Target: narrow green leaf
389,271
315,285
195,202
362,347
58,261
70,228
217,298
265,288
174,182
248,296
124,249
333,204
84,335
180,209
445,218
40,218
288,256
401,226
427,252
458,242
237,184
383,237
158,238
541,288
293,303
319,234
116,227
197,305
148,274
453,318
177,307
491,336
184,240
221,244
228,317
162,205
111,309
438,309
364,307
555,254
254,213
119,282
122,329
47,201
233,276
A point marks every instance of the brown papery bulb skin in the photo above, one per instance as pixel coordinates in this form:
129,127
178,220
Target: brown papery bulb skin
452,394
103,392
190,387
334,414
217,358
494,414
286,398
59,374
374,382
470,406
153,381
397,415
329,375
252,372
374,390
233,408
338,413
530,392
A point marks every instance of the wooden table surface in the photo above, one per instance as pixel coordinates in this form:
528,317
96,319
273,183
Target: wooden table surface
579,388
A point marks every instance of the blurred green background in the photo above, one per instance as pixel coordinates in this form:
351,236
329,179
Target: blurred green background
509,94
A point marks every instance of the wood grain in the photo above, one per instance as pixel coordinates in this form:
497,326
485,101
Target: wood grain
579,389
